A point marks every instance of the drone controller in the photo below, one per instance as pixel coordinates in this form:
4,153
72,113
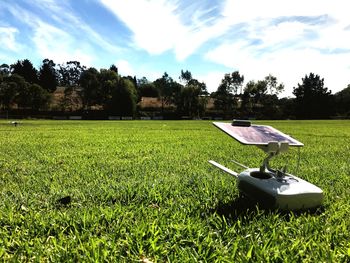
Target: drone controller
270,186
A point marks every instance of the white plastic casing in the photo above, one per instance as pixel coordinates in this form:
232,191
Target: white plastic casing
288,192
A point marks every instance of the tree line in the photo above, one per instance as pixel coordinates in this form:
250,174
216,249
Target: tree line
22,86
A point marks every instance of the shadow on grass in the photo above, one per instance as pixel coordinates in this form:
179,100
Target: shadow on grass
244,207
240,206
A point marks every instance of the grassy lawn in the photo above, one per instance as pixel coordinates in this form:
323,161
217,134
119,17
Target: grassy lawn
143,190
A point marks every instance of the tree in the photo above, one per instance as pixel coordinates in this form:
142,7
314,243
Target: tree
132,79
286,108
38,98
236,81
165,86
124,97
190,99
69,73
117,95
193,95
108,80
250,97
48,76
146,88
273,87
193,98
342,102
114,68
25,69
260,98
313,100
233,82
69,76
256,90
12,88
8,92
4,70
226,99
90,92
186,76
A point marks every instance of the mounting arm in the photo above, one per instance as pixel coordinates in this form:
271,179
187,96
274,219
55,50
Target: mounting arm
272,149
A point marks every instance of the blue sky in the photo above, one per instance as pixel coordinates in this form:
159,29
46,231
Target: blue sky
210,38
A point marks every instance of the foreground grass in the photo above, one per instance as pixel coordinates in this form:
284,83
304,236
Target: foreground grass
143,190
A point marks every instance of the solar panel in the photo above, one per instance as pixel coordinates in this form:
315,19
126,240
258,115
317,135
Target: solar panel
255,134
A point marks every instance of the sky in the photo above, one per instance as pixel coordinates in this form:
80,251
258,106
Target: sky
145,38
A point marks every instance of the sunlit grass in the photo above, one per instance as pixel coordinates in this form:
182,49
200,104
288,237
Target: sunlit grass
144,190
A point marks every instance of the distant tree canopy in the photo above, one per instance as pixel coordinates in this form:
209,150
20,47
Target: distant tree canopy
262,98
165,86
22,86
124,97
256,99
90,88
69,73
15,90
147,88
342,102
233,82
35,97
9,90
114,68
4,70
25,69
313,100
273,86
48,76
191,98
116,94
185,76
226,99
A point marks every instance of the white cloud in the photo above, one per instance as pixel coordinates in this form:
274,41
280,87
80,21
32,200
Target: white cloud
239,11
280,33
333,37
54,43
69,38
62,13
8,38
124,68
285,38
288,49
289,66
157,26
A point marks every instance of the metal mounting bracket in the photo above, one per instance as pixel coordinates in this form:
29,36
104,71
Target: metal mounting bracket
273,149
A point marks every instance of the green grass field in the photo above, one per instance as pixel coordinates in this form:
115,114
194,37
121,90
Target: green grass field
143,191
